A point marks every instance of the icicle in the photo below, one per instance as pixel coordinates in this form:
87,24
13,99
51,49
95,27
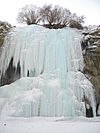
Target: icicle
51,83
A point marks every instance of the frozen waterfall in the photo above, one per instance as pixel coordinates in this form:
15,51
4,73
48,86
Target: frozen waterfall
51,82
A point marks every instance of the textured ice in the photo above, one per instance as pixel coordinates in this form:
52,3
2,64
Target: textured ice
51,82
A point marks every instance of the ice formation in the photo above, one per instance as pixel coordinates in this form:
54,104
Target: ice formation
51,82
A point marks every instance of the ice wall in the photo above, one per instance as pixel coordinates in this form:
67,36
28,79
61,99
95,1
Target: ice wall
51,82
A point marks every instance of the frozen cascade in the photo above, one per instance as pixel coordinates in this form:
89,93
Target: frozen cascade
51,82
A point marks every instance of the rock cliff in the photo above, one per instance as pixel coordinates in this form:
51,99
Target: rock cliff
4,28
91,53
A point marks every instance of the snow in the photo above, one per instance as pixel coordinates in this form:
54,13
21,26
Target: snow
50,125
91,47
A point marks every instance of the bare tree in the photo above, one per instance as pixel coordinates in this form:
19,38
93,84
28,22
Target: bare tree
76,21
79,19
28,15
50,16
65,16
46,14
55,15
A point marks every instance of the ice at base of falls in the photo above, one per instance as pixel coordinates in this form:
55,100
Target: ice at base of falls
35,96
51,83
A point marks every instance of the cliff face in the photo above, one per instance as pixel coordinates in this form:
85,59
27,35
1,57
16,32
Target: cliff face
4,28
91,52
7,78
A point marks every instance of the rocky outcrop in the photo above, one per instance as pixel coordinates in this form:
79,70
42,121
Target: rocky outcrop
4,28
91,52
11,74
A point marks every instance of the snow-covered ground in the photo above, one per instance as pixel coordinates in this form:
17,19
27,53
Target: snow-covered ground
50,125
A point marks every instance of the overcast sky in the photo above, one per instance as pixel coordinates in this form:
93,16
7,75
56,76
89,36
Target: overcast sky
89,8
